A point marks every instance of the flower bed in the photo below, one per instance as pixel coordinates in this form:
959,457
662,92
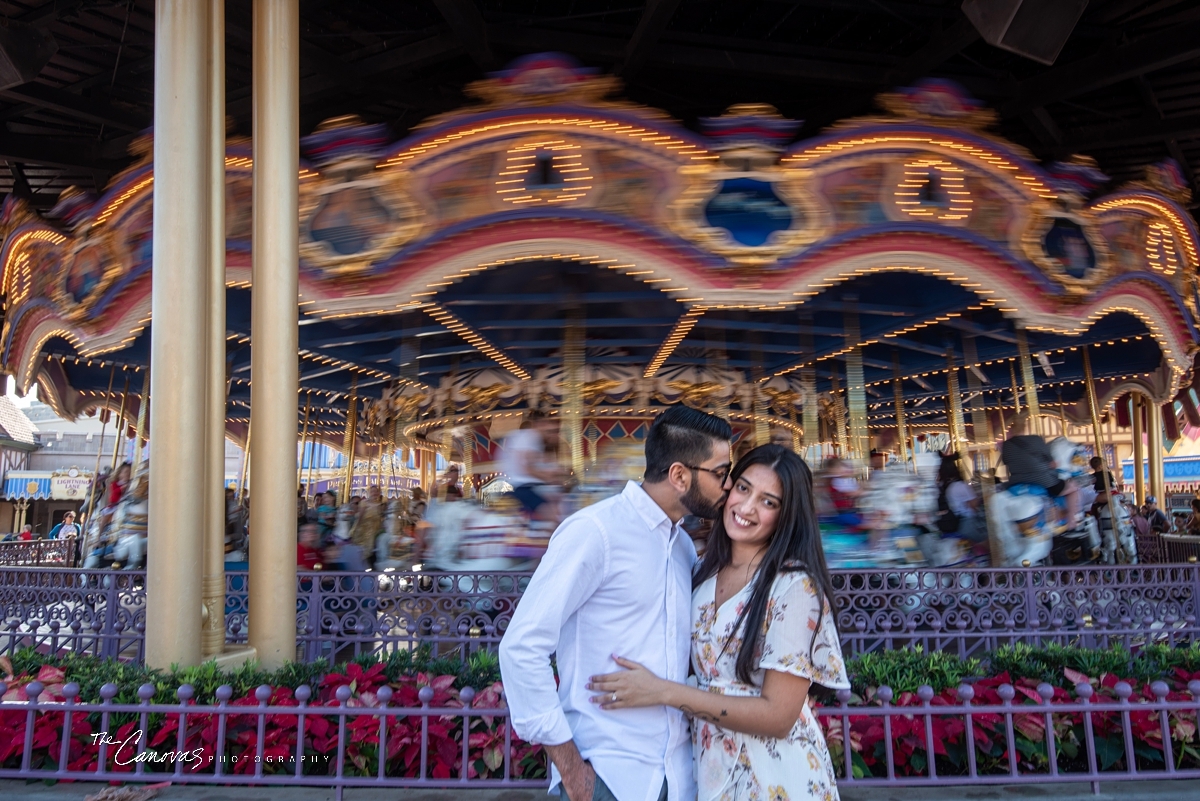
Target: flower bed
978,718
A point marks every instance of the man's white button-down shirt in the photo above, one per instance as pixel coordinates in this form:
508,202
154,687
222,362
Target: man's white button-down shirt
616,579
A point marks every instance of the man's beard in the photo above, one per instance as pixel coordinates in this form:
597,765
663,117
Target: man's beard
700,506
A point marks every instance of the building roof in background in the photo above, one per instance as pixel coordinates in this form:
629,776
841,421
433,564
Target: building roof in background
14,425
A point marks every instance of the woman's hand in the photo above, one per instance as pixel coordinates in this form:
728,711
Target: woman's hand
633,687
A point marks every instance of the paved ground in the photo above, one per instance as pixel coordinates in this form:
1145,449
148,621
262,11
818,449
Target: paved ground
1109,791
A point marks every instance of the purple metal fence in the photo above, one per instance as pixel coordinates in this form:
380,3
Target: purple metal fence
340,615
1019,739
60,553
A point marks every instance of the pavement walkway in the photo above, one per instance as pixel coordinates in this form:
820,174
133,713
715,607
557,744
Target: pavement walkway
1181,790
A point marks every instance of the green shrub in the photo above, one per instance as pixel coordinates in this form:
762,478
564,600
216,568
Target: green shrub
906,670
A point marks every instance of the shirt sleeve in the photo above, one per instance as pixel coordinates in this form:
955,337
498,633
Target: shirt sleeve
795,642
571,571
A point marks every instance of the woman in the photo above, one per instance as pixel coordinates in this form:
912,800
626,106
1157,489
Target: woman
958,505
764,572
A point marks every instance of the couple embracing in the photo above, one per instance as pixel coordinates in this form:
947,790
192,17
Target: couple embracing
622,602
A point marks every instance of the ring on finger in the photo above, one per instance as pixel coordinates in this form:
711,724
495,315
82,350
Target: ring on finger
614,697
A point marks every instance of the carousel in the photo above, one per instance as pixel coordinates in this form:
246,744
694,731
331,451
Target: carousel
901,282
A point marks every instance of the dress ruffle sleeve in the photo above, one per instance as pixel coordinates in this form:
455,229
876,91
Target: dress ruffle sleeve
798,640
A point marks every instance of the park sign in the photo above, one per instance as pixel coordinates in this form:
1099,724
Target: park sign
70,484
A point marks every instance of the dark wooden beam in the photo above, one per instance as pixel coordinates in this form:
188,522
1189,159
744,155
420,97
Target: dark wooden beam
691,57
1174,45
467,25
943,45
1103,137
74,106
82,154
652,25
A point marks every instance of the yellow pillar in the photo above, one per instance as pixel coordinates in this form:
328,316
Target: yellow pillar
1154,445
1139,449
178,342
274,369
213,485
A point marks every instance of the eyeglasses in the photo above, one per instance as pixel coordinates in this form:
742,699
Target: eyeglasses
721,472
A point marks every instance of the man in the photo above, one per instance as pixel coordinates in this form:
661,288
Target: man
67,528
617,578
1028,459
523,460
450,490
1098,471
1159,522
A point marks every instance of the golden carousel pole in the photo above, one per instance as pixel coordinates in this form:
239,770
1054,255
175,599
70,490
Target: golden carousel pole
958,427
1094,411
839,412
901,425
808,385
143,411
1139,447
856,391
1016,389
981,423
573,372
312,457
1031,392
105,414
349,442
1154,445
304,431
120,425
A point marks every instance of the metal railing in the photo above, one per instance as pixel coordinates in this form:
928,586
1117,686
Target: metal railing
342,615
38,552
445,738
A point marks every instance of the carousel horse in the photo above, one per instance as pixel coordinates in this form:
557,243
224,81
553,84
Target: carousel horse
1033,528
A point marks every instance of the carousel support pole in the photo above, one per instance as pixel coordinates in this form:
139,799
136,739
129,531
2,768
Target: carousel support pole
958,427
901,427
274,366
1154,444
1016,389
303,441
856,390
468,452
1139,448
179,342
981,423
1027,378
573,378
213,632
143,411
350,442
1094,411
120,424
105,413
839,412
312,457
808,385
241,491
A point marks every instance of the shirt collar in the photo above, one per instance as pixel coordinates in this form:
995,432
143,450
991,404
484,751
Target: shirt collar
645,506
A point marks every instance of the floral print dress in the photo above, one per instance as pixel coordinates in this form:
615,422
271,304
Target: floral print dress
741,767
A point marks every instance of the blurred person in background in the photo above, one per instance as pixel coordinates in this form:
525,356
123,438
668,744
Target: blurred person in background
1159,522
308,555
1028,459
527,461
67,528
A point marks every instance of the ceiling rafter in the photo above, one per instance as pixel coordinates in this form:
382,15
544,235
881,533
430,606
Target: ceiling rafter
468,27
652,25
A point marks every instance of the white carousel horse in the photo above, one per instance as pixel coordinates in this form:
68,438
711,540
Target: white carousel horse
1027,520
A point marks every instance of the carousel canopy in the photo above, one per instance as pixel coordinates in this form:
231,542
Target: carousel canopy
462,270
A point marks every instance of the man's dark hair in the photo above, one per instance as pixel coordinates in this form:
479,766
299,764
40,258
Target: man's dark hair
682,434
1096,463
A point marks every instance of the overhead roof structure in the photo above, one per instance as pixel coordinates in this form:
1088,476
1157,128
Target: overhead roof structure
444,275
1125,88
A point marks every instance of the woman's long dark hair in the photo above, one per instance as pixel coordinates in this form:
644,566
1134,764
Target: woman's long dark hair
795,546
